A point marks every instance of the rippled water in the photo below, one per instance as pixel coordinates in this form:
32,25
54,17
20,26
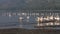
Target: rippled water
14,22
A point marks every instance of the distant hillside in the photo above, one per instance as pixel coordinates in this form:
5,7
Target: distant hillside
30,4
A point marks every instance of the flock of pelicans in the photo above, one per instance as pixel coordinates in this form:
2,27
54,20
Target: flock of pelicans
48,21
18,14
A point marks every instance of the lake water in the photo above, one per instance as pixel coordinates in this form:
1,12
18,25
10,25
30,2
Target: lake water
12,20
20,20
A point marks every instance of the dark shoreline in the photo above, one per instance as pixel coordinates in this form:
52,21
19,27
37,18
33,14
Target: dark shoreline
26,31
